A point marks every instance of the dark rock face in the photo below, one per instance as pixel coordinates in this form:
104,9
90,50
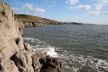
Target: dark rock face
50,64
35,63
45,63
33,24
17,55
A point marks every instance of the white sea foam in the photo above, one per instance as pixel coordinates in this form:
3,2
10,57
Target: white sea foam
71,62
76,62
42,47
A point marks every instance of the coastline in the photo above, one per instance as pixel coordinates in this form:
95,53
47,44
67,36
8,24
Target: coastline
34,21
17,55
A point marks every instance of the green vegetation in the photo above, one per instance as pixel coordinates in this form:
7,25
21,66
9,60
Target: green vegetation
35,20
24,17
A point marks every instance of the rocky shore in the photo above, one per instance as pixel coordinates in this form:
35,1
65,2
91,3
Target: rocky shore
17,55
34,21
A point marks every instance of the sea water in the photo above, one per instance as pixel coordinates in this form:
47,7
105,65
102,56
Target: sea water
82,48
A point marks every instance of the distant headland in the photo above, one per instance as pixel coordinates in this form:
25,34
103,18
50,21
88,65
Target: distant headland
34,21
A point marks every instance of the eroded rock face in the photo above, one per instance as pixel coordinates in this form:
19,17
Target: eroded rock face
50,64
17,55
9,32
8,66
23,61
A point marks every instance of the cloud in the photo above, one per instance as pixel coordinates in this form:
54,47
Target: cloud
30,8
38,10
84,7
77,17
101,4
71,7
94,12
15,9
97,8
106,12
72,2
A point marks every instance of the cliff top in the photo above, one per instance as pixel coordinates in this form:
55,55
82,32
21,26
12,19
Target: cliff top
24,17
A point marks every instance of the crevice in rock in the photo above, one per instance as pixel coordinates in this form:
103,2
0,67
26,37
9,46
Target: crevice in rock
12,14
19,29
0,20
12,57
33,23
17,61
17,41
3,13
0,66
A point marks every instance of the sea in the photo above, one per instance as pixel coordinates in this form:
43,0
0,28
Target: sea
82,48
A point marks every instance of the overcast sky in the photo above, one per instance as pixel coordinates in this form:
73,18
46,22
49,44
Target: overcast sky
86,11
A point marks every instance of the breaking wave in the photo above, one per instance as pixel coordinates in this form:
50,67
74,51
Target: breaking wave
81,63
72,63
41,46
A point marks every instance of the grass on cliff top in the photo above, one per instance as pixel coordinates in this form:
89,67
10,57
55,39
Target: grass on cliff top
24,17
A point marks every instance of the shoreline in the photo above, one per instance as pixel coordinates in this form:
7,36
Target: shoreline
34,21
17,55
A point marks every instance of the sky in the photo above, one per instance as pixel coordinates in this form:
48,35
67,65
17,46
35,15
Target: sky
84,11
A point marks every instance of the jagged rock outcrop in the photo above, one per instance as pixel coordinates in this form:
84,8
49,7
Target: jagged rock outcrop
17,55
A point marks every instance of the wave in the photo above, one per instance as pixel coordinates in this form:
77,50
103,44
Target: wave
81,63
72,62
41,46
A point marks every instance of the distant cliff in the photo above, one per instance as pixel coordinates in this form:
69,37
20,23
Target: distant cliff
34,21
29,20
17,55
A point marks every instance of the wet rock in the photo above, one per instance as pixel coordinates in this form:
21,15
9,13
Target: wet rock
50,64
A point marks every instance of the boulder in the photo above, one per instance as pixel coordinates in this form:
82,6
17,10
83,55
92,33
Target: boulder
45,63
50,64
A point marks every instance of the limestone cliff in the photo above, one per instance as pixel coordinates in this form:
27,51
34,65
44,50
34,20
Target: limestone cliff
34,21
17,55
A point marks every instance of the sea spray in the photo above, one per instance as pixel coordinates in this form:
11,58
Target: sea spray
42,46
72,62
81,63
82,48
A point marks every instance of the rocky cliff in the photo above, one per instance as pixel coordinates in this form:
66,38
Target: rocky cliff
17,55
34,21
